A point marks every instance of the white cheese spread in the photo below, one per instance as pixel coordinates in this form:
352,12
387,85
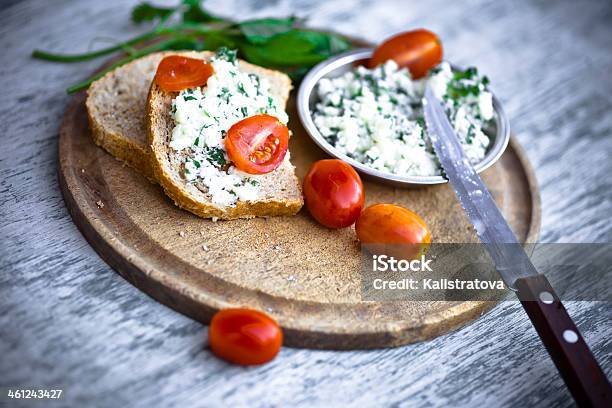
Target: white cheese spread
375,116
202,117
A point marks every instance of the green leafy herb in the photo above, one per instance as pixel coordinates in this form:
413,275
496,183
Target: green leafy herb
458,90
225,95
471,134
421,121
464,84
196,164
260,31
216,156
147,12
227,54
277,43
195,13
189,98
244,111
295,47
241,89
469,73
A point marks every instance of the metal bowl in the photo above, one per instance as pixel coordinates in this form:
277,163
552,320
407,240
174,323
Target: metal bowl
499,132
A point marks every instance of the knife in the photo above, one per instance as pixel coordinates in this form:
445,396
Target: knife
566,346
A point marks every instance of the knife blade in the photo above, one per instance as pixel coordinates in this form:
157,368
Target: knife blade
577,365
508,255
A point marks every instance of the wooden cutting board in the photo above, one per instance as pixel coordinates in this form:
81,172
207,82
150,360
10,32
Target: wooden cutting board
304,275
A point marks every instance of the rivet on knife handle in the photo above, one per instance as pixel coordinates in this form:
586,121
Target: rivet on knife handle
583,376
579,369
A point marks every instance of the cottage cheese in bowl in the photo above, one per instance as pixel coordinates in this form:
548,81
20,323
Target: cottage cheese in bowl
375,116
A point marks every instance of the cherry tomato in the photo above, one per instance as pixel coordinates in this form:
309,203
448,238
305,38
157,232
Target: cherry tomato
257,144
418,50
392,225
244,336
176,73
333,193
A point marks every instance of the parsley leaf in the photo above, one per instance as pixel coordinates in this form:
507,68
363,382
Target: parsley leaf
241,89
216,156
226,54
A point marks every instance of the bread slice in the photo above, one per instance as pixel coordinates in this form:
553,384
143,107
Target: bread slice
280,192
117,107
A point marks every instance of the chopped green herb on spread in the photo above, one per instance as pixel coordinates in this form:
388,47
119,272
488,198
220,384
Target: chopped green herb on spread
216,156
202,117
227,54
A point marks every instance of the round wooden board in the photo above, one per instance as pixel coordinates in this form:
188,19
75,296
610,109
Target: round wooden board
304,275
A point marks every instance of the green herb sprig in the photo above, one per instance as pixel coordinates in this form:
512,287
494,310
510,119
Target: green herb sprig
466,83
278,43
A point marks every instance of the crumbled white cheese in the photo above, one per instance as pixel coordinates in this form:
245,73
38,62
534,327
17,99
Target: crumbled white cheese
202,117
375,116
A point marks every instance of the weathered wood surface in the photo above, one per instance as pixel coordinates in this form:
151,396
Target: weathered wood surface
67,320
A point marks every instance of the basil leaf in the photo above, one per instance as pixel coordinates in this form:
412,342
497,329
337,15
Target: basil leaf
261,30
295,47
148,12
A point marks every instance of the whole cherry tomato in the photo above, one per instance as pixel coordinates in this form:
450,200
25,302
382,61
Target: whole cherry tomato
392,225
175,73
244,336
333,193
257,144
418,50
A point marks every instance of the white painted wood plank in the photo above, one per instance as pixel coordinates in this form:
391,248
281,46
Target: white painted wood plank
67,320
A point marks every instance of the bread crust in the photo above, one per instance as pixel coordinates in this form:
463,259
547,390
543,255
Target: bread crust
116,109
287,200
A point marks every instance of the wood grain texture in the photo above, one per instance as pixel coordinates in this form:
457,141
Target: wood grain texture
305,275
67,320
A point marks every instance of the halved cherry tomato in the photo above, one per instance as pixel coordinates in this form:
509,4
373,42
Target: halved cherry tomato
333,193
418,50
176,73
385,226
257,144
244,336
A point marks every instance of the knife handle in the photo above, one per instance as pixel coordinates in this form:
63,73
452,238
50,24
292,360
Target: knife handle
568,350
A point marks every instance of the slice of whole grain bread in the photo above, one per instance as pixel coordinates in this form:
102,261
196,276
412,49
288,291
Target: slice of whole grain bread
117,107
280,192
